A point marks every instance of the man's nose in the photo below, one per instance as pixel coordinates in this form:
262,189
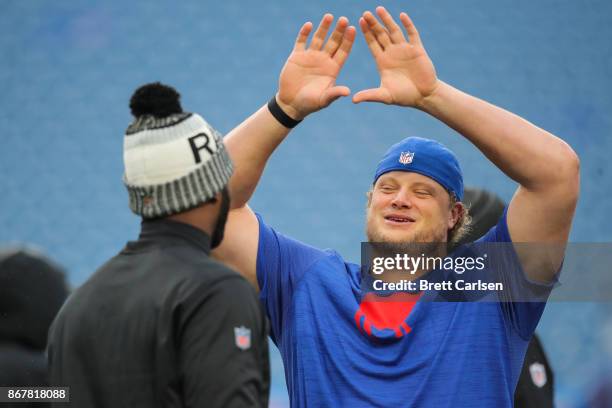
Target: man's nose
401,200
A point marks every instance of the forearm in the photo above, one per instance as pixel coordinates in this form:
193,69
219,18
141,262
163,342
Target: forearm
529,155
250,145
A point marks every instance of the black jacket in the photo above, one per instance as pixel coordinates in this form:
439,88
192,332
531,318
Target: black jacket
535,388
162,325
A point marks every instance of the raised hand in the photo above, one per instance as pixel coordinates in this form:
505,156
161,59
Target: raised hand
308,80
407,75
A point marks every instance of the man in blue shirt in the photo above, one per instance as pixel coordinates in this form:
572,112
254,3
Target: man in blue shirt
340,344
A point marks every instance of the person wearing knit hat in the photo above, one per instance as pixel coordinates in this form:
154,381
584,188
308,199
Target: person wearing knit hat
158,324
174,160
346,344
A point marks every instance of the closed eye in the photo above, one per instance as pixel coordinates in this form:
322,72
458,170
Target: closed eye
423,193
387,189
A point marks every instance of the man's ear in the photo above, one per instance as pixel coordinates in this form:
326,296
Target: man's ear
369,196
455,214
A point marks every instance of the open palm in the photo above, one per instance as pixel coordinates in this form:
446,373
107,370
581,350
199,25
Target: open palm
308,80
407,75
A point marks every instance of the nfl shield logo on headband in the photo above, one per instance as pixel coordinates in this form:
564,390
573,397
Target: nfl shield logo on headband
406,157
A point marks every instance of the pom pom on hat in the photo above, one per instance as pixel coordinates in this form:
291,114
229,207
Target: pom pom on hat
155,99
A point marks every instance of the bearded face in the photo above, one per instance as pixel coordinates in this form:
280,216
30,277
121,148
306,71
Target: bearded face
408,207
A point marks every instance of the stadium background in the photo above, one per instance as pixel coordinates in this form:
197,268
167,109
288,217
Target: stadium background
67,70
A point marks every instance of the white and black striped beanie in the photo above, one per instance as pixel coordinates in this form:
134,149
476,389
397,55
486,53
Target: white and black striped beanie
174,160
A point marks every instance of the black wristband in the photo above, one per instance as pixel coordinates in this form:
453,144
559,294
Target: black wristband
284,119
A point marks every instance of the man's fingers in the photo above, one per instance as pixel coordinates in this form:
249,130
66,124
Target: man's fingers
381,34
300,42
373,45
319,35
413,34
373,95
336,38
345,47
334,93
395,32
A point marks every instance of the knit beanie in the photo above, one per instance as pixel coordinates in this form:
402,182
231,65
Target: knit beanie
174,160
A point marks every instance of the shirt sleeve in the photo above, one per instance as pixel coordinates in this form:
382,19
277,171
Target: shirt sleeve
223,347
281,263
522,300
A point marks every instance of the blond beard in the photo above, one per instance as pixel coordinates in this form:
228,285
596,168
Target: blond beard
431,243
419,237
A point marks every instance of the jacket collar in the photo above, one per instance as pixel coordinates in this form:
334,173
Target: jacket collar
167,232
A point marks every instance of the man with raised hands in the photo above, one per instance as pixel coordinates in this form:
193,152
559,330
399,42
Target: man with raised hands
341,348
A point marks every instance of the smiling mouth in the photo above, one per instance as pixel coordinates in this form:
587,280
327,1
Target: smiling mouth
395,219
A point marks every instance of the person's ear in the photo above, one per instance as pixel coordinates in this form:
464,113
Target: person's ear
455,214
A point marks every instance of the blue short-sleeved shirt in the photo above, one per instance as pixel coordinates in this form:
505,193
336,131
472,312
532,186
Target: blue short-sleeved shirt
441,354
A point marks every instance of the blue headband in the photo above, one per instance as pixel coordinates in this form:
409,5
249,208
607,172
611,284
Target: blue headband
426,157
